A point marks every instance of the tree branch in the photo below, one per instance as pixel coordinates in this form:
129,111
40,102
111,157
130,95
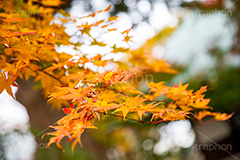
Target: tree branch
48,75
122,117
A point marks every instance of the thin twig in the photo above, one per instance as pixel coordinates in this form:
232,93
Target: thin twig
48,75
122,117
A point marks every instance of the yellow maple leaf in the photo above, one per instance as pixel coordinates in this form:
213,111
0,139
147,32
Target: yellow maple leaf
6,82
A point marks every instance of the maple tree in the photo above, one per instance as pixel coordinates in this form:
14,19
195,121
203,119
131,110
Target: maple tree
28,49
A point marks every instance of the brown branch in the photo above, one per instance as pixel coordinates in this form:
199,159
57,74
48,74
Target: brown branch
122,117
48,75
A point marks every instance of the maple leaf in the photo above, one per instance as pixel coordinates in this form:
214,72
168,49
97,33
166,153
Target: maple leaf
141,109
67,110
113,77
161,66
79,75
202,90
97,60
28,72
86,28
168,115
58,66
52,3
178,91
72,126
109,96
11,68
101,105
59,103
70,93
186,108
25,58
6,82
119,49
138,57
217,116
106,9
127,38
129,105
9,34
126,88
157,87
113,18
222,116
101,44
201,103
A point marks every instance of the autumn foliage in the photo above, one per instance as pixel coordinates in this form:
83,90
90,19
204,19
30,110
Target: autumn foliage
81,84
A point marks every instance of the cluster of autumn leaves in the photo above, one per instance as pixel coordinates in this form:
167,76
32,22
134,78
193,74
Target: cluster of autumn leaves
27,49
